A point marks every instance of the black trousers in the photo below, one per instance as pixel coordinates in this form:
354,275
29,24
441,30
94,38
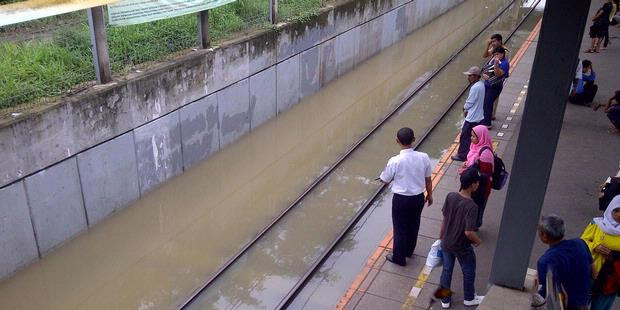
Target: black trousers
465,139
587,96
406,212
480,198
490,95
605,36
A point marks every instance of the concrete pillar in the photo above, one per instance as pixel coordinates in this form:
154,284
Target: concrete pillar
553,70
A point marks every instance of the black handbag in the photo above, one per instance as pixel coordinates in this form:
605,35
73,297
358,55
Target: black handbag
609,191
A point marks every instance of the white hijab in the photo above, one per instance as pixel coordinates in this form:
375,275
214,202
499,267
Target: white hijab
607,223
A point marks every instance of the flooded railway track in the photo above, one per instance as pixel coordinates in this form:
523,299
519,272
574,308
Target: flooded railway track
207,296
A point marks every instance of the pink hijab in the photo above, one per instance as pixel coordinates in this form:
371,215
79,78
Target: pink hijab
484,139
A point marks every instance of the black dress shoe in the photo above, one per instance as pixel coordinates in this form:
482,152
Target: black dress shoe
390,258
456,158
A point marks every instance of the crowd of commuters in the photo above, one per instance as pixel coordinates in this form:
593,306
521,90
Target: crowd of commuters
409,175
585,270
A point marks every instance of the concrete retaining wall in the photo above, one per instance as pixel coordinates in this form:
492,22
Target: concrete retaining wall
73,164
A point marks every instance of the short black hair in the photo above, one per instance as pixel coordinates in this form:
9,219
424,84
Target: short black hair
405,136
499,49
497,37
469,177
586,63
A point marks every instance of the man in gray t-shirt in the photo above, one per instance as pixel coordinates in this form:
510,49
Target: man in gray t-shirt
458,234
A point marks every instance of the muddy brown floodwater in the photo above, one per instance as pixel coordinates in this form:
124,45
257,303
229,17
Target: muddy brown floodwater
155,253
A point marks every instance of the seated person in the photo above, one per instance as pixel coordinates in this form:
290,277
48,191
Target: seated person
613,112
586,89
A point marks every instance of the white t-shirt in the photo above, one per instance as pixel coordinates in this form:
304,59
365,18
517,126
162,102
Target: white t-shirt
408,172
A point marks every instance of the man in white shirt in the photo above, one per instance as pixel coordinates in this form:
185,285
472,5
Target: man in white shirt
473,111
409,174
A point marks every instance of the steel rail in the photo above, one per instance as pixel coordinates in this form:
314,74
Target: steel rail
290,297
322,176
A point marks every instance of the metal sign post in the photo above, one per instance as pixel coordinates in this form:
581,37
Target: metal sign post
99,44
203,29
273,11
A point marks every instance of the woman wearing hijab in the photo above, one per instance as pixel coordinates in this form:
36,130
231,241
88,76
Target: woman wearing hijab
481,156
603,238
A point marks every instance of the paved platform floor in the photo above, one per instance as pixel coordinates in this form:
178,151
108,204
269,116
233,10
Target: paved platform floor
383,285
585,156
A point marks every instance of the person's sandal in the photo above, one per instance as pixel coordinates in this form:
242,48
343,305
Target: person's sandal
589,51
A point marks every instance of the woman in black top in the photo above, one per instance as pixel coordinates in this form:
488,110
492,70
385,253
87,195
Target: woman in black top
600,26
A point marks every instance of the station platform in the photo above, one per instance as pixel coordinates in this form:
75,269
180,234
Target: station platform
586,154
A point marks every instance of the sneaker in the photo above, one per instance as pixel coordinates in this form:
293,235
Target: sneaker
474,302
538,301
445,305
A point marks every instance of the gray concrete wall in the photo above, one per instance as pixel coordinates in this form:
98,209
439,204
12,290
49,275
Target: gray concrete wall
80,160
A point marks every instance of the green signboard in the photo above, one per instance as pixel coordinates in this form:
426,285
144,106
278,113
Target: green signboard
130,12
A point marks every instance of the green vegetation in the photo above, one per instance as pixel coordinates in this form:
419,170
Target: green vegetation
50,67
2,2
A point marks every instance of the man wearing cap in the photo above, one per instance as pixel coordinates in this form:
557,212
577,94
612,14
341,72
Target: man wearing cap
473,111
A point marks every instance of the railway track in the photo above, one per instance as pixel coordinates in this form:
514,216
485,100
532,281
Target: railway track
298,287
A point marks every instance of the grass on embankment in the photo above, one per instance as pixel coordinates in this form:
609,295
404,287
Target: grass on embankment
48,68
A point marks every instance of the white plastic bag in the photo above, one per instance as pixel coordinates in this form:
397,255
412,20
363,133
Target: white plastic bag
434,257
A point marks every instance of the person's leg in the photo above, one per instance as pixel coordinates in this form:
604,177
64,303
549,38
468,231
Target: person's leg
605,36
465,140
480,199
615,120
399,221
416,206
495,102
467,260
488,102
578,99
591,92
494,108
446,272
490,94
593,37
599,41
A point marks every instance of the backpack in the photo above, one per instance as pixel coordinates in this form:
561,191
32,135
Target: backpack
500,175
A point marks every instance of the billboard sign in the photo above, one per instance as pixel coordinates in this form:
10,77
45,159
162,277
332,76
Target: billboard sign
129,12
34,9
